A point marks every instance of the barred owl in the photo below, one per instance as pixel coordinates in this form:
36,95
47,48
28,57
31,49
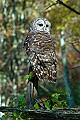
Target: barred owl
40,49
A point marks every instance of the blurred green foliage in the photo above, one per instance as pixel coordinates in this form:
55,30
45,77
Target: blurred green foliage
53,102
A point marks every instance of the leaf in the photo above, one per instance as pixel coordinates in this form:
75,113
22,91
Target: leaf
31,74
26,77
17,104
21,97
23,115
47,105
36,106
15,114
54,107
55,97
63,92
17,118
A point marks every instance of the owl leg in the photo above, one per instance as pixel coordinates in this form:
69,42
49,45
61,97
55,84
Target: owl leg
32,89
29,95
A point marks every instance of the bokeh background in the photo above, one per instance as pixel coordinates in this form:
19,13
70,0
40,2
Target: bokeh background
15,17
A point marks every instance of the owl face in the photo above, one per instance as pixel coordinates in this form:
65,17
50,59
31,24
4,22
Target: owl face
41,25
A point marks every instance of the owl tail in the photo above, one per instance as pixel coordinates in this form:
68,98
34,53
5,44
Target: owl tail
32,89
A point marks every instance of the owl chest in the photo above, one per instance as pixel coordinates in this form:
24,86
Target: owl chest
41,44
42,48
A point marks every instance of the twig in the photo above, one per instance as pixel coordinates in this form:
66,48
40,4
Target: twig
75,49
52,5
60,2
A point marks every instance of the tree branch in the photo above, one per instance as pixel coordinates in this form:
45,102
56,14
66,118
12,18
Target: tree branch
60,2
52,5
60,113
75,49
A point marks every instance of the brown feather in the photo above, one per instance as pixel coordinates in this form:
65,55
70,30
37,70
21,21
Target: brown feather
41,53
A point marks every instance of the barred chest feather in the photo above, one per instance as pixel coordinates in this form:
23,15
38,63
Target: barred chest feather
41,52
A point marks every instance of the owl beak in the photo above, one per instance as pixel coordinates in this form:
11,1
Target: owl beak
44,29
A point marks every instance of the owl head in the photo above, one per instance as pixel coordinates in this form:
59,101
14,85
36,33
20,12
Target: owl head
40,25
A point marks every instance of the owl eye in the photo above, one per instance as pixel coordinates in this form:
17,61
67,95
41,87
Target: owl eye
40,25
47,25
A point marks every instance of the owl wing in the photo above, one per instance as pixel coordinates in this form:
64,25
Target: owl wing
42,56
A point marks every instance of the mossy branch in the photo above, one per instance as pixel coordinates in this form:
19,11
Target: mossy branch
60,113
